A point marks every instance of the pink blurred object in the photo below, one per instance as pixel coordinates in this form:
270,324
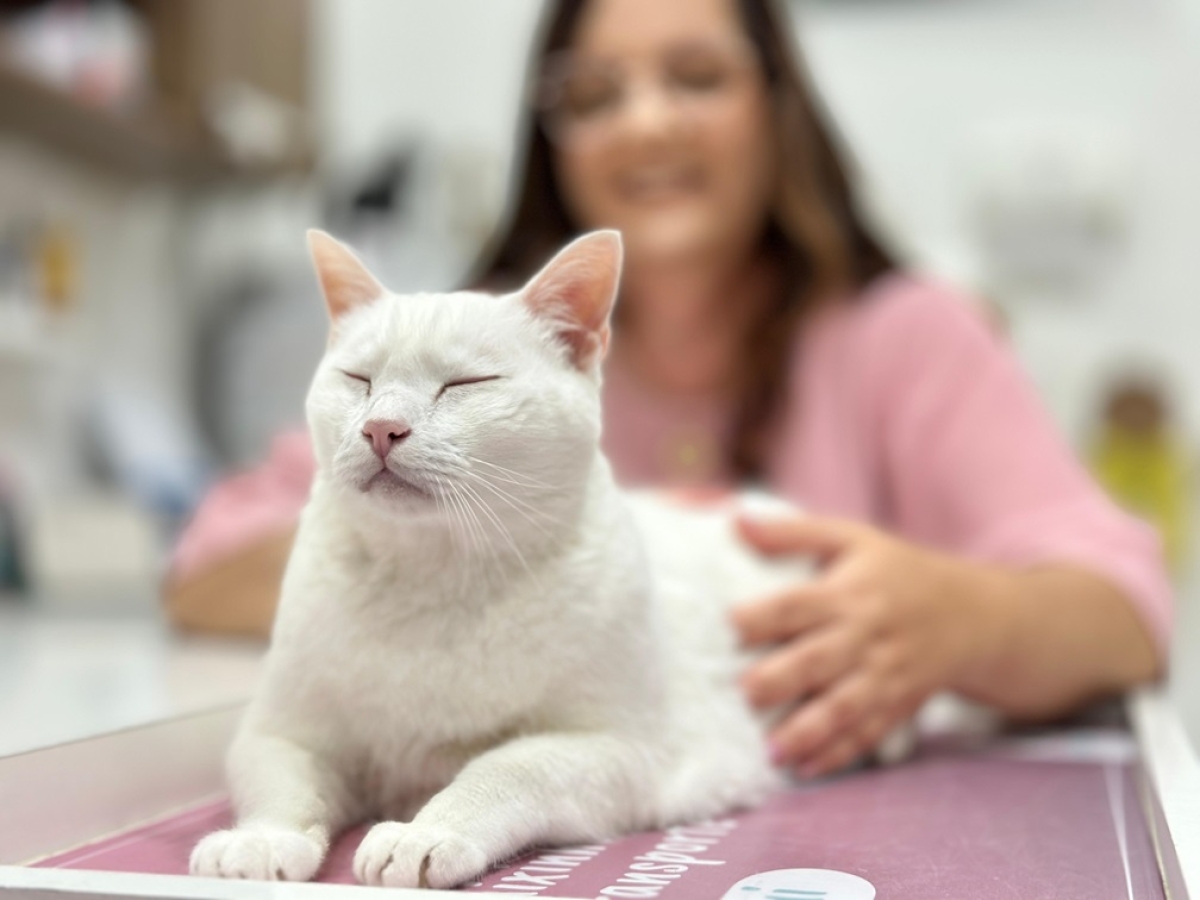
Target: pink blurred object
97,51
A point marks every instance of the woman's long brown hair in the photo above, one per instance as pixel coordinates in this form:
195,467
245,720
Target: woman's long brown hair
814,232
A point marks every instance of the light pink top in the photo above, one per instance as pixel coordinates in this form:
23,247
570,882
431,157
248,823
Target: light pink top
905,410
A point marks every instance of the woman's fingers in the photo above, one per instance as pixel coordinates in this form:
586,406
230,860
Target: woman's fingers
799,535
818,724
851,746
774,619
859,718
802,667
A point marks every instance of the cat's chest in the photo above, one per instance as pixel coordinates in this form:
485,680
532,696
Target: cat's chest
456,674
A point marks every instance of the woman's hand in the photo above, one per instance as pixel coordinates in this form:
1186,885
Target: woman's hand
883,626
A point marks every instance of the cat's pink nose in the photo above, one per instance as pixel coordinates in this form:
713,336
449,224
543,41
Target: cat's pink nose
384,434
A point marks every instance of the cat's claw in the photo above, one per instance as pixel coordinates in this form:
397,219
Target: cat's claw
395,854
258,852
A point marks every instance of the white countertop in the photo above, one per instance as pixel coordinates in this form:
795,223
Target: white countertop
66,676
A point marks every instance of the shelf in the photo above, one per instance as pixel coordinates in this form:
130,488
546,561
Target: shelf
136,145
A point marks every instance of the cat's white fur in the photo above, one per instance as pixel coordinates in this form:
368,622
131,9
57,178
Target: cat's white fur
514,652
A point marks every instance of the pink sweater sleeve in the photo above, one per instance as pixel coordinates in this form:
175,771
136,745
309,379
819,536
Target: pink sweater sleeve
972,462
248,507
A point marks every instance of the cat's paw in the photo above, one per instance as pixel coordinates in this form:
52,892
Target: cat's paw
395,854
260,852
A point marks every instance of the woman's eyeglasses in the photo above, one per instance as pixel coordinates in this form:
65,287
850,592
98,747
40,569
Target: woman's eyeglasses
580,98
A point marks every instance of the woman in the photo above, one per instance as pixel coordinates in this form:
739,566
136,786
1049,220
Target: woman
764,334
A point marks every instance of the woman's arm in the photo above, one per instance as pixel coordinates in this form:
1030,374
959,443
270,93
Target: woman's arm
972,465
1057,636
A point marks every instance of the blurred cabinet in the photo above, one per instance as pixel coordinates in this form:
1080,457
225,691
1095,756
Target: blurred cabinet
228,94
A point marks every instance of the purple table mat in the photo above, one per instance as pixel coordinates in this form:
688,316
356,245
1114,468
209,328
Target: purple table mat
943,826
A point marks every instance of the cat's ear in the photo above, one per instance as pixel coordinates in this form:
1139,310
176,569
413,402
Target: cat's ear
576,291
345,281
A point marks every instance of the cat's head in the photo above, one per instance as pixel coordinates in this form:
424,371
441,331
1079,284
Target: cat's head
472,408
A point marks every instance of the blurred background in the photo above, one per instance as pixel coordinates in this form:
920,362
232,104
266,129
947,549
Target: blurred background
161,159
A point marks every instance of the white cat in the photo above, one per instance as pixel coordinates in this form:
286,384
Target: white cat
481,640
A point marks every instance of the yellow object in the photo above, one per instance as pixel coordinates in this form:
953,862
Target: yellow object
1148,474
58,268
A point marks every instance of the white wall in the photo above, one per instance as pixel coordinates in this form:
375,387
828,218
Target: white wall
387,68
914,84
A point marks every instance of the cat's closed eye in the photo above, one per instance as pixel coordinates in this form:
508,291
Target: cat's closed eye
465,382
356,377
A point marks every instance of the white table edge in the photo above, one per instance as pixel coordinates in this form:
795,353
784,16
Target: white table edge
1174,771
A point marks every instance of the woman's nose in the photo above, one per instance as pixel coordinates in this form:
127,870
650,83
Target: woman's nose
648,110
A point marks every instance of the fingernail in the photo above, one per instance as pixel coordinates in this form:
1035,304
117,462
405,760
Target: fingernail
776,752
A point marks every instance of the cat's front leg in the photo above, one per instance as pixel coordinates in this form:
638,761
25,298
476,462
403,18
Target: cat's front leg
288,802
547,789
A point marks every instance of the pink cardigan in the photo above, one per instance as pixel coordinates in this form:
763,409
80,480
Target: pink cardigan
905,410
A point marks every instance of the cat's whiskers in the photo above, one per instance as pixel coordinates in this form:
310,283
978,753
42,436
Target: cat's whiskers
527,510
481,546
512,476
445,501
491,481
481,505
458,533
476,543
